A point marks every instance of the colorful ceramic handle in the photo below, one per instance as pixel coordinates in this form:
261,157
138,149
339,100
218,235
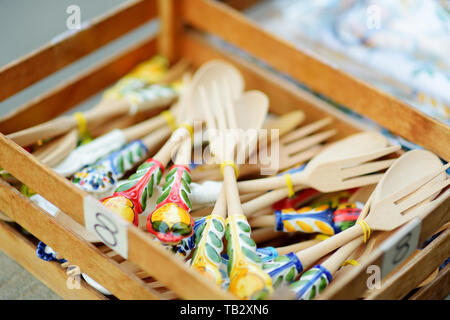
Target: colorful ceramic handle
346,215
101,177
307,220
311,283
209,246
148,97
267,254
283,269
46,253
185,247
88,154
171,221
247,279
300,197
130,199
147,72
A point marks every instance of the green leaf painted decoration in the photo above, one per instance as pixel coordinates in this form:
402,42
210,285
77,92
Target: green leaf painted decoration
209,247
285,267
311,283
247,278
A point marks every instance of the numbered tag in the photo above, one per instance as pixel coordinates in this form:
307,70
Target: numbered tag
400,246
107,226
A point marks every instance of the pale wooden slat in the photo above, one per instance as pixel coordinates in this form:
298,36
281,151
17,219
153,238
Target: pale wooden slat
23,251
72,247
157,261
414,271
52,186
52,57
170,29
217,18
438,289
75,90
353,283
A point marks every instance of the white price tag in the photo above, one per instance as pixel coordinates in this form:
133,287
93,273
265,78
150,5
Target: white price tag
400,246
106,225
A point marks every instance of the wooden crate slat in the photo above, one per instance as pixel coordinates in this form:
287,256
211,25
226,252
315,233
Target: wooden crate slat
23,251
415,270
52,186
75,90
218,19
69,199
438,289
52,57
352,284
170,29
72,247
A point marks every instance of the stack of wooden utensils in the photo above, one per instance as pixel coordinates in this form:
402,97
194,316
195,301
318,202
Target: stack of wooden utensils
321,202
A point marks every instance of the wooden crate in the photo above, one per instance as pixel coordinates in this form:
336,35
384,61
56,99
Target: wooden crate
151,272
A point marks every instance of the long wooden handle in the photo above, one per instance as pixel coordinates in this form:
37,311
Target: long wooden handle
156,138
231,190
220,207
309,256
262,221
143,128
334,262
61,125
265,200
165,153
265,184
297,246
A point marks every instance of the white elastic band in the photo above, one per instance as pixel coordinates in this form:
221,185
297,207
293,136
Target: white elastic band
205,192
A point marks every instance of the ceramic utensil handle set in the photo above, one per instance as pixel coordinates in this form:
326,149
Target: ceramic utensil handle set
215,95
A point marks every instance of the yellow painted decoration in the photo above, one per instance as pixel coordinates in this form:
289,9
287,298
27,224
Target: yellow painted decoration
201,261
324,228
247,279
122,206
288,226
170,213
304,226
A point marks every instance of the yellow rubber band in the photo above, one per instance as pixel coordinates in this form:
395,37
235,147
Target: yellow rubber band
366,229
188,127
229,163
350,262
82,123
289,185
170,119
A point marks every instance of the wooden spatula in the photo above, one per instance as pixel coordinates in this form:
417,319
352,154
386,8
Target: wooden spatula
332,169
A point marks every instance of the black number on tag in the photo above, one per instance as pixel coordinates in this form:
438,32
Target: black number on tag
106,229
402,248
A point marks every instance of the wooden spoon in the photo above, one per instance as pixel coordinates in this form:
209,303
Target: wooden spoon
247,280
171,222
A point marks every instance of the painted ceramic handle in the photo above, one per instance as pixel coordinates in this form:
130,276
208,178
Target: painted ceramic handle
283,269
247,279
147,72
130,199
171,221
346,215
311,283
307,220
102,177
89,153
209,246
